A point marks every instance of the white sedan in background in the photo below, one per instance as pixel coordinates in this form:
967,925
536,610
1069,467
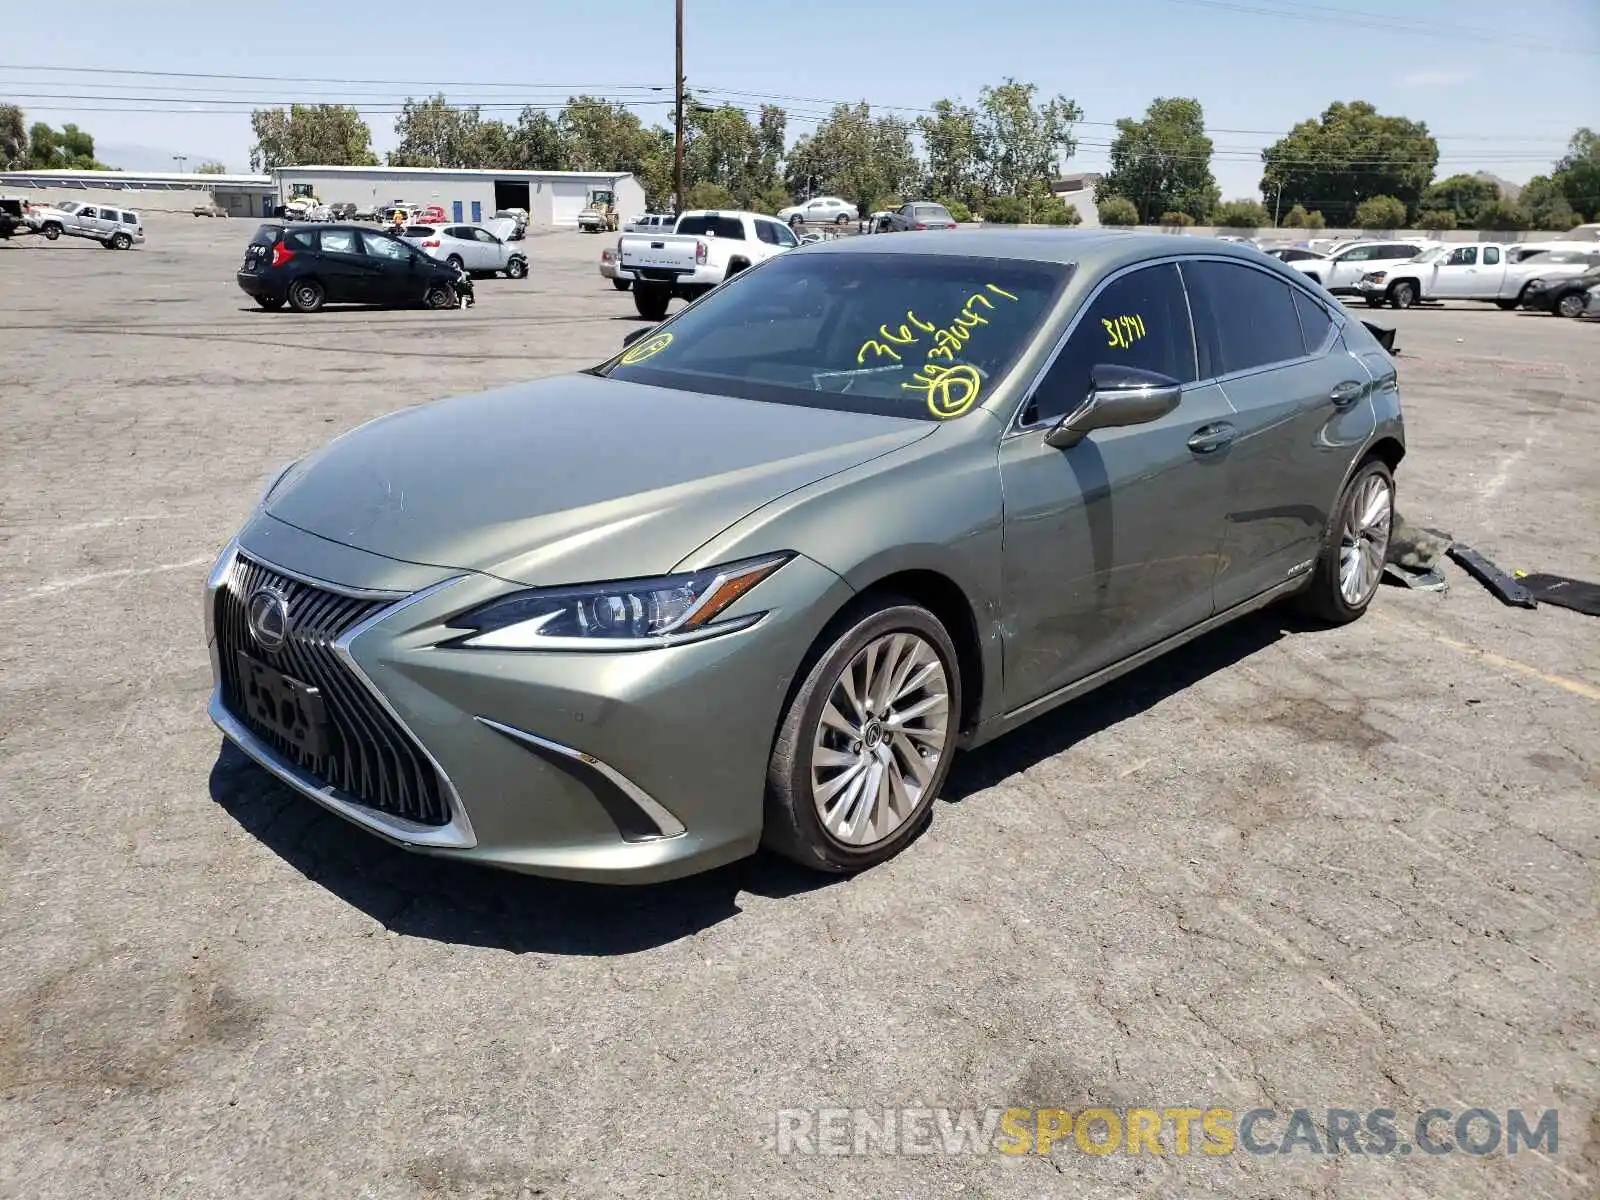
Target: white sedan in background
469,247
824,210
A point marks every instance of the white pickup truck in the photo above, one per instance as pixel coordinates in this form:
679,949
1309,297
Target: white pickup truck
704,249
1496,272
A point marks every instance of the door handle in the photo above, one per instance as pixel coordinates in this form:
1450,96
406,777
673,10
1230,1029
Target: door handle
1210,438
1346,394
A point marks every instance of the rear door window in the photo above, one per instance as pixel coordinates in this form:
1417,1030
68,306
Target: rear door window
1245,319
339,241
1491,255
1141,320
1315,323
712,225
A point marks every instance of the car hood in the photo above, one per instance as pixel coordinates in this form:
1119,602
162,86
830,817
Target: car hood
569,479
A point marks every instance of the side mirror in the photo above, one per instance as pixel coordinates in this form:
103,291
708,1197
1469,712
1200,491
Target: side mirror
633,335
1118,396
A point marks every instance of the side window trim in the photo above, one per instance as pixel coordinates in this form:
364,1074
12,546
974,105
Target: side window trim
1014,425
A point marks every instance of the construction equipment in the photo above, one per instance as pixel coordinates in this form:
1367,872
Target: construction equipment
599,213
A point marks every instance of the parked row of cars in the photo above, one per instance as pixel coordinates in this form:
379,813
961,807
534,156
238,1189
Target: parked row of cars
1552,276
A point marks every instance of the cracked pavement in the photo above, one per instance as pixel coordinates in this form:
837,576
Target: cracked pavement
1283,867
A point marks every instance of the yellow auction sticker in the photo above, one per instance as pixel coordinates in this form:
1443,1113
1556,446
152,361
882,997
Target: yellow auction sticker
647,348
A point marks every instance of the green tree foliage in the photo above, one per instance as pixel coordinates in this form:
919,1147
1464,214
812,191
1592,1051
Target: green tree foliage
211,168
1240,214
536,143
724,148
1502,217
1381,212
950,142
435,133
1350,154
1117,210
329,135
709,195
1296,217
1315,220
1176,220
1463,195
1545,205
1163,163
1021,142
854,156
66,149
13,138
1005,210
1578,172
1436,219
599,135
957,209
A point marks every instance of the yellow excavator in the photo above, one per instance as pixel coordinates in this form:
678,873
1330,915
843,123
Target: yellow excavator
599,213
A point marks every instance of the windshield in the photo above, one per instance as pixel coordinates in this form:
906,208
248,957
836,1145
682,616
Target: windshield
919,336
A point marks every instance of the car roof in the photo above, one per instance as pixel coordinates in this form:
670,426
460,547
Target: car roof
1095,250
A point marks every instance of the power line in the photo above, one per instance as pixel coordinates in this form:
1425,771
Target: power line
425,83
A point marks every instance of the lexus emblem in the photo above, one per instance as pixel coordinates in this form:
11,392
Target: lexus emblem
267,613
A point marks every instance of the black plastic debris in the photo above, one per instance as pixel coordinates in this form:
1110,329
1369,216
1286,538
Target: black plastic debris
1508,589
1563,592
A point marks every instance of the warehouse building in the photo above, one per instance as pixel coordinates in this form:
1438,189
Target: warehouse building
552,199
150,191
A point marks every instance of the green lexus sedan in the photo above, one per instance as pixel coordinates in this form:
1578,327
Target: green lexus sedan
756,579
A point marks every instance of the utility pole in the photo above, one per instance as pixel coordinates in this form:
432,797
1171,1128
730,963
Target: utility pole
180,159
677,169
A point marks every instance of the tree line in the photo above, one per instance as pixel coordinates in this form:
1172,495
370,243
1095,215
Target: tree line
1350,166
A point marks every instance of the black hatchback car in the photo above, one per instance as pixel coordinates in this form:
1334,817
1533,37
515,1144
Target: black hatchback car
307,266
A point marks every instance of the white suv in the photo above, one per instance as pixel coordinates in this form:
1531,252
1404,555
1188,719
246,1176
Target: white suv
113,228
1342,270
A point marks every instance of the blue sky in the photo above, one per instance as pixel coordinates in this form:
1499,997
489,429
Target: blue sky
1488,88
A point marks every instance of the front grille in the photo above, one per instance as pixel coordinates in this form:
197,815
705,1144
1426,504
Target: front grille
368,756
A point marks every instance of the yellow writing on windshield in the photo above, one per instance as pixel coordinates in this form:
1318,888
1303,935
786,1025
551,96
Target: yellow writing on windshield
949,391
1123,332
647,348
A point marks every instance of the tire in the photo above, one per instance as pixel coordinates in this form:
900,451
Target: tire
1570,305
108,244
51,230
1403,294
651,302
307,295
841,219
1331,597
121,241
441,295
622,285
807,821
455,261
517,268
270,303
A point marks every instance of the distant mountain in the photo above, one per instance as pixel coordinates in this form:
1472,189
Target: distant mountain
1508,191
157,158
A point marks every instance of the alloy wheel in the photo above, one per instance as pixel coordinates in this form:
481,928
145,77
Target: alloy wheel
1364,540
879,739
1570,305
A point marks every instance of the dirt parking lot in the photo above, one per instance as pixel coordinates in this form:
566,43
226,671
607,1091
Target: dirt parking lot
1285,868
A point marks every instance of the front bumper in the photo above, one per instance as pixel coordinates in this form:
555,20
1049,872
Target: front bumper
625,767
1372,287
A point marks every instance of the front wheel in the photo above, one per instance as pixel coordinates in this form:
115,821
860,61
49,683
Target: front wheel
51,231
622,285
651,302
516,268
866,741
1570,305
1354,548
441,295
270,303
455,262
307,296
1403,294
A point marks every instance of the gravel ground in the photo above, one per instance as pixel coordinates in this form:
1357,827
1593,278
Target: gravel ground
1284,868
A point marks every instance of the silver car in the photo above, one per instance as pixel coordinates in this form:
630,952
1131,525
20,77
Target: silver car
468,247
757,577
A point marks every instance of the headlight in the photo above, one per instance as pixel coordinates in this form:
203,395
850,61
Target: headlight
628,614
274,480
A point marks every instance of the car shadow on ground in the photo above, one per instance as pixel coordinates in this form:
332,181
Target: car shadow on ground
426,897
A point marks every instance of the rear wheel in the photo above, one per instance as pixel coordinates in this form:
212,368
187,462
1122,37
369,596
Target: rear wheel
1570,305
121,242
1506,305
1354,548
866,741
307,296
841,219
651,302
622,285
